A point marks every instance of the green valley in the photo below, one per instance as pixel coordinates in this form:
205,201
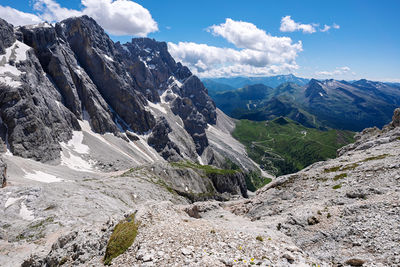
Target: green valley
282,146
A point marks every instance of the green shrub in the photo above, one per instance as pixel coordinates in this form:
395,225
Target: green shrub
375,157
208,169
121,239
337,186
260,238
333,169
340,176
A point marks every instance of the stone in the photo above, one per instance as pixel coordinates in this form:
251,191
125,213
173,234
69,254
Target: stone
396,118
289,257
186,251
312,220
193,211
355,262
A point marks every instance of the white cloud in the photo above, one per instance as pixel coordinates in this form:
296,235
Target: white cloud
118,17
289,25
256,53
338,71
50,10
121,17
18,18
326,28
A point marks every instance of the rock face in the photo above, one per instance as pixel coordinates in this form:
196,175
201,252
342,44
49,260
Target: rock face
54,76
3,174
160,141
7,37
341,210
396,118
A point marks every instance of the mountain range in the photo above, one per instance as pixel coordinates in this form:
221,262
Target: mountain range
115,154
321,104
237,82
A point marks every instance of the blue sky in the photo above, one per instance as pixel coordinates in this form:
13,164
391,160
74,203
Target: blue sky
366,44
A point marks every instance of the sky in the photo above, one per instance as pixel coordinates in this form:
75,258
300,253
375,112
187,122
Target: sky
340,39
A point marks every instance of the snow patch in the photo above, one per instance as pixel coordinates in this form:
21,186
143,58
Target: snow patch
174,82
75,162
58,103
25,213
157,106
11,200
108,58
78,71
76,143
15,53
86,127
126,48
200,160
9,81
42,177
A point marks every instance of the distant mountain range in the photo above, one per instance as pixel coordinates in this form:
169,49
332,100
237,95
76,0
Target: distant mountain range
320,104
238,82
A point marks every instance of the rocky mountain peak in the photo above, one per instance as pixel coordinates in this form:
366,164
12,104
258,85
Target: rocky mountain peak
75,70
7,37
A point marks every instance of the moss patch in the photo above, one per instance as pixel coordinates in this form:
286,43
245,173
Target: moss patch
340,176
375,158
337,186
130,171
333,169
121,239
208,169
351,166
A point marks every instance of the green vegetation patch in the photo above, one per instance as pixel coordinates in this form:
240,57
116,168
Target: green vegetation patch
337,186
130,171
340,176
208,169
283,146
375,157
333,169
121,239
351,166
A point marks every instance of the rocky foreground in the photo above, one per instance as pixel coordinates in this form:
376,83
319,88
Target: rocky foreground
341,212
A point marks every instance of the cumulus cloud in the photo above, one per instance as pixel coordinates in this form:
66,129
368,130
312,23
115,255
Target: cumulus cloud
50,10
289,25
118,17
338,71
256,52
18,18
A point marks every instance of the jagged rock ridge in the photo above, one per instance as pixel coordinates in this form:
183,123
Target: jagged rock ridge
53,76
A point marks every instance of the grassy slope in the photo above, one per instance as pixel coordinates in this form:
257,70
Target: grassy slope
284,146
